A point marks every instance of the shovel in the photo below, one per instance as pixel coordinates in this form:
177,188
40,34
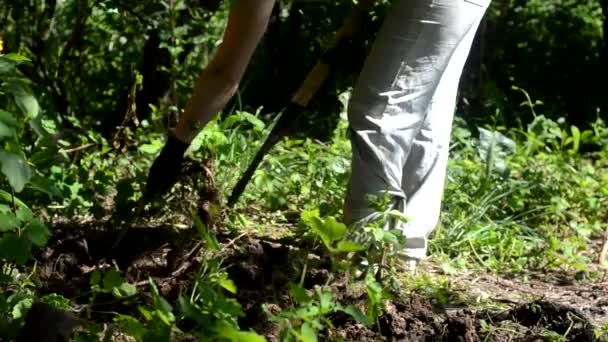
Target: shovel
305,93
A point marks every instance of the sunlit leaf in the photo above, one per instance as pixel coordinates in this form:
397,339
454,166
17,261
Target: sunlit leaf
307,333
124,290
57,301
15,169
149,148
25,100
348,246
326,302
576,138
20,310
258,124
329,229
227,284
230,333
16,57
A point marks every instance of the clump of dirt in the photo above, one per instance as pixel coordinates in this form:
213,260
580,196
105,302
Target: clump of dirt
65,264
415,320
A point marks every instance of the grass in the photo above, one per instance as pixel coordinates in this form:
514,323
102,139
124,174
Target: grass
527,202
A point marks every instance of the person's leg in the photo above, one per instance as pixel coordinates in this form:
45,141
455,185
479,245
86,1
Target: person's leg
410,62
425,169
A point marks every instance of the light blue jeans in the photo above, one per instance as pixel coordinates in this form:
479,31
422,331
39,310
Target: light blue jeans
401,112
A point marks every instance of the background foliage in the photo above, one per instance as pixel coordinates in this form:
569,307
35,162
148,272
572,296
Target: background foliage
86,55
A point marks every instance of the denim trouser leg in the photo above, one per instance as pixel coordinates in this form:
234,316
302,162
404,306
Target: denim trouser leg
401,111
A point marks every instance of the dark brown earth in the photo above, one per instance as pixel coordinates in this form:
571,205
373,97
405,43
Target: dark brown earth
261,270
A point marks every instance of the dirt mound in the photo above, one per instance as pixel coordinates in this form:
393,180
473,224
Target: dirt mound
262,271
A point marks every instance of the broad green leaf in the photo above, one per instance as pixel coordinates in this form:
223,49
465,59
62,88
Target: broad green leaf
329,230
15,169
227,284
16,57
307,333
229,332
334,229
49,126
95,277
111,279
130,326
8,222
36,125
145,312
165,314
26,101
348,246
8,124
587,136
124,290
298,293
157,333
309,311
258,124
374,288
228,306
14,248
44,185
396,214
7,66
37,232
326,302
247,336
357,315
25,214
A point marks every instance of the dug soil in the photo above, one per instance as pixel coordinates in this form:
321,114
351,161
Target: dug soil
262,270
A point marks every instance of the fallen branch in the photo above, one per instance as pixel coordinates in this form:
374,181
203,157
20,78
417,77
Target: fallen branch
79,148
